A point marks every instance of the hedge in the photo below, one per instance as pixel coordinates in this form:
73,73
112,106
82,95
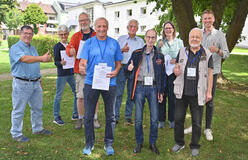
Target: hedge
42,43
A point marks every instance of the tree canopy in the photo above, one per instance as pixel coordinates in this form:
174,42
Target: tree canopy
5,6
34,15
13,18
230,16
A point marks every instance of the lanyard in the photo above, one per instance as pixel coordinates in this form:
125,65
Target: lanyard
84,38
102,53
148,61
195,56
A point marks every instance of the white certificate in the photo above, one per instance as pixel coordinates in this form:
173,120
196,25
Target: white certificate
80,48
100,79
69,60
168,66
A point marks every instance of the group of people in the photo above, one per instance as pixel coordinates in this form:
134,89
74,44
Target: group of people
186,76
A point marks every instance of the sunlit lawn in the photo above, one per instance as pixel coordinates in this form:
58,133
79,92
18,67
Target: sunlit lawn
229,127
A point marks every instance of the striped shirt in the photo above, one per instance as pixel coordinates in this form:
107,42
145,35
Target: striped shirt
217,37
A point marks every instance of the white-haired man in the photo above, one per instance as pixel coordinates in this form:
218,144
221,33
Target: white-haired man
193,87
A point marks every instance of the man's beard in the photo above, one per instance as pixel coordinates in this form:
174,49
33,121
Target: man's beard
194,45
85,27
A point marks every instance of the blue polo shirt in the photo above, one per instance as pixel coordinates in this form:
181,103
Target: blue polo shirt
97,51
21,69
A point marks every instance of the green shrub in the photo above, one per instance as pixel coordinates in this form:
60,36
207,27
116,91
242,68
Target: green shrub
141,36
12,40
42,43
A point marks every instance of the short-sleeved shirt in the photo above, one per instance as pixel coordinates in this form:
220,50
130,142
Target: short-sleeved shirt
171,49
93,52
133,44
217,37
190,83
22,69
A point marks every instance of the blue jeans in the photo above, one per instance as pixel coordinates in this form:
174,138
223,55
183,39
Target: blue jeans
24,92
196,116
61,82
210,105
121,81
149,92
90,99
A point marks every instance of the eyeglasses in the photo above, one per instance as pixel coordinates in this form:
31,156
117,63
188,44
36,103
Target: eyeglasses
83,20
27,33
168,28
65,34
149,37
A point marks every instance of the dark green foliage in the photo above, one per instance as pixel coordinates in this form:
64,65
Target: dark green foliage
34,15
141,36
41,43
5,6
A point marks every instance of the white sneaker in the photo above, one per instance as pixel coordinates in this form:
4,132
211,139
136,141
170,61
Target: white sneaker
188,130
208,134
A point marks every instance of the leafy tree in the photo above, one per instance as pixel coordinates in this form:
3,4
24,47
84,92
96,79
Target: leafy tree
5,6
34,15
13,18
230,16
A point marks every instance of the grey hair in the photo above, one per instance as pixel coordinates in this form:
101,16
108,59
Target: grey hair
101,18
151,30
197,29
63,28
84,14
133,20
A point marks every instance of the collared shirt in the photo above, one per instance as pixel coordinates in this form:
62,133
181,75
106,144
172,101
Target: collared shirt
146,65
94,52
21,69
133,44
217,37
171,49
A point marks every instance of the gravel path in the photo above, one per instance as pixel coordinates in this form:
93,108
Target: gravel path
8,76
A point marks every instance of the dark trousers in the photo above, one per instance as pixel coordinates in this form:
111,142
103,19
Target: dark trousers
210,105
171,100
90,99
196,117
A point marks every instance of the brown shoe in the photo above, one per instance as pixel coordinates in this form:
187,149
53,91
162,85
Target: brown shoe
79,124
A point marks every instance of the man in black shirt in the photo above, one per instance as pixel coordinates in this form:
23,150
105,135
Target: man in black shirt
193,87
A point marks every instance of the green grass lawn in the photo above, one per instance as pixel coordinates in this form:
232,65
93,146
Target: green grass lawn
235,68
5,64
240,50
4,44
230,128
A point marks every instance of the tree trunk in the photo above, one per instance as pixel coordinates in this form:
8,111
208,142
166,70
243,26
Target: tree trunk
218,7
1,32
237,24
184,15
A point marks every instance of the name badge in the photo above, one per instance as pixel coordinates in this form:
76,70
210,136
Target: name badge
102,64
191,72
148,81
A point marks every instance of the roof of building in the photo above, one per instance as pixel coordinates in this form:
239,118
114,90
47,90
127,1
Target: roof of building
47,8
